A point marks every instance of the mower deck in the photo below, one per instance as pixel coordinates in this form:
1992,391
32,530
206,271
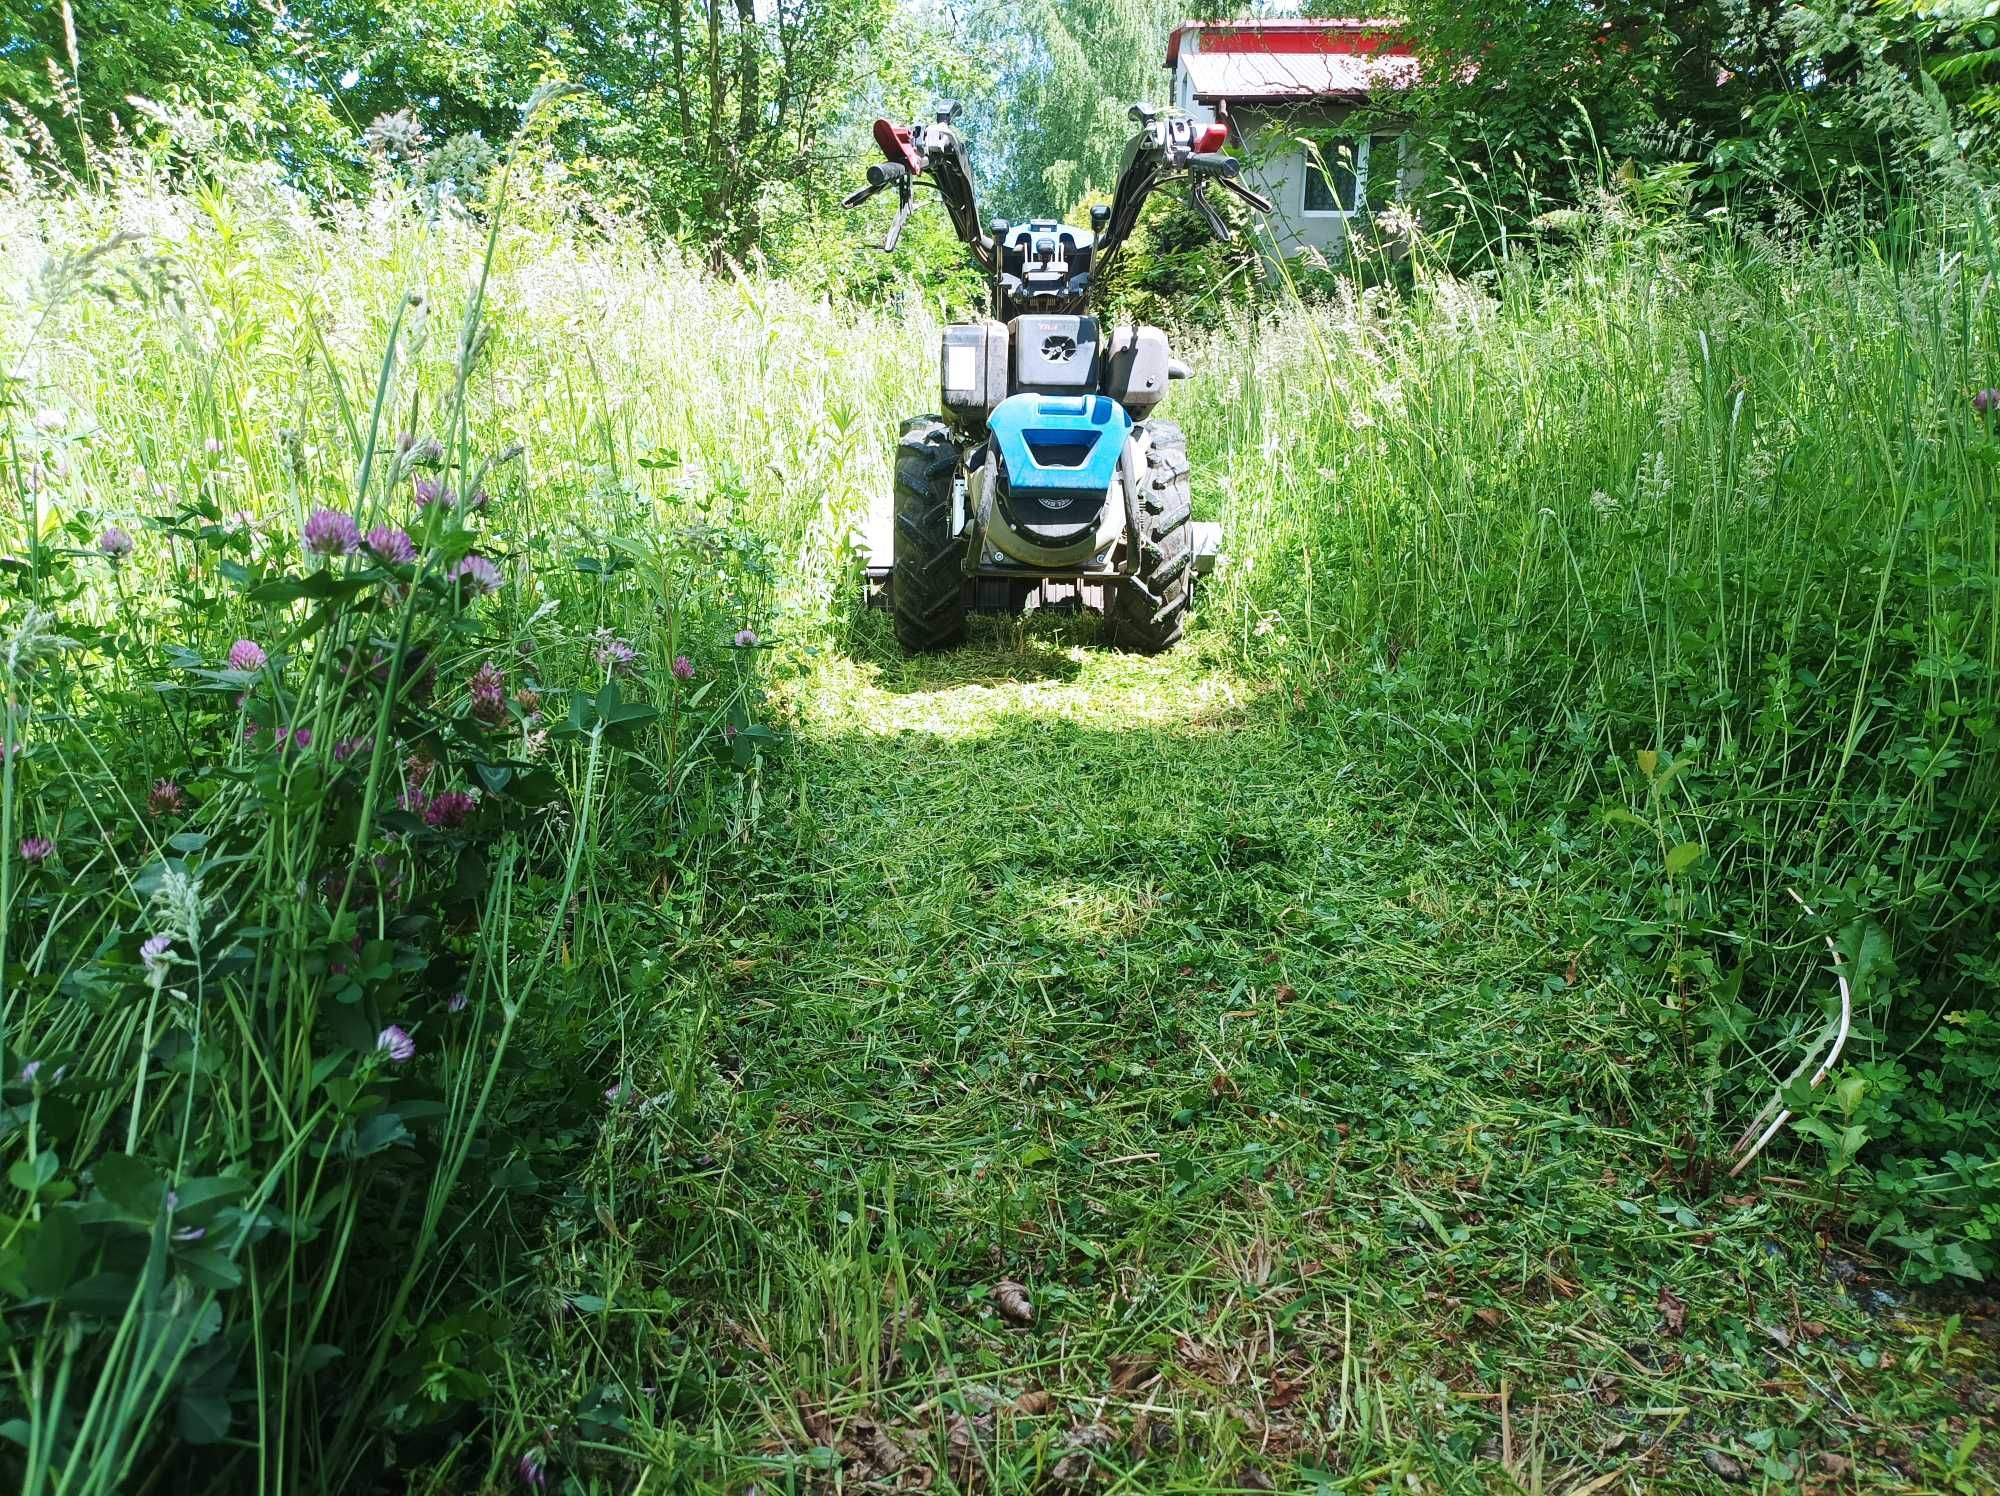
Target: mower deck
998,591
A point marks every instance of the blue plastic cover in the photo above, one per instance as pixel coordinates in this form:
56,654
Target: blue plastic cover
1059,443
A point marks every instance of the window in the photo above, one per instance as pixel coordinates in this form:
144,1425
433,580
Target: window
1336,178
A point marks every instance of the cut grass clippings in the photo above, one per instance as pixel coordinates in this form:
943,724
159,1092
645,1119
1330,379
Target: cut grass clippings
1087,986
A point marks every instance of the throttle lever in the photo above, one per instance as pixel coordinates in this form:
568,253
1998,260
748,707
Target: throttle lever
1221,231
909,201
1250,197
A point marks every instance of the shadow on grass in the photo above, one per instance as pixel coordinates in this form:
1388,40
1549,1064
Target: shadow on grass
997,650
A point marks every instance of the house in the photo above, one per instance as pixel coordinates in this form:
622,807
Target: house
1287,88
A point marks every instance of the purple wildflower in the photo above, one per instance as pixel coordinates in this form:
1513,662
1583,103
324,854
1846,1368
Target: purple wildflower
36,850
746,639
458,1004
115,544
293,737
395,1042
250,731
246,655
212,446
533,1469
477,573
429,491
450,809
157,951
1986,401
346,748
332,532
618,1094
29,1071
683,668
616,654
489,694
392,545
165,798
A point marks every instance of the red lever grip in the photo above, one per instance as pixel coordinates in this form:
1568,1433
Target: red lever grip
897,146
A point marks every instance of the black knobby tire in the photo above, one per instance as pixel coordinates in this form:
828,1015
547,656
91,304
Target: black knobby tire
1149,614
929,592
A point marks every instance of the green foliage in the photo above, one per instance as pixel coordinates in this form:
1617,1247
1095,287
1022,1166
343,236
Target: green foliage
237,1211
1676,558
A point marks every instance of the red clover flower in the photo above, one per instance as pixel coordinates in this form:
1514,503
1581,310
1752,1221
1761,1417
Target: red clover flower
489,694
165,798
746,639
478,574
395,1042
115,544
429,492
36,850
332,532
450,810
533,1469
247,655
616,654
155,953
683,668
392,545
1986,401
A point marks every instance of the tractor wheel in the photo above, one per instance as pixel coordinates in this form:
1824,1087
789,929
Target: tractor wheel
1150,610
928,593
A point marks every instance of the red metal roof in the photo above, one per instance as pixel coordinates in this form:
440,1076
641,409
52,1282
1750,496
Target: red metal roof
1273,61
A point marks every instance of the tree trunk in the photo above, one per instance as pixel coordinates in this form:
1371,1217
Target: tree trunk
748,106
677,18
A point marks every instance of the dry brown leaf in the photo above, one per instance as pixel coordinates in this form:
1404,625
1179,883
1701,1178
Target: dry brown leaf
1723,1467
1488,1317
1673,1311
1250,1478
1283,1393
870,1453
1835,1465
1033,1403
963,1438
1074,1468
1015,1305
1129,1373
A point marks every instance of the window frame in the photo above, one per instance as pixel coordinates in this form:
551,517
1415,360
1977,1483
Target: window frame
1364,148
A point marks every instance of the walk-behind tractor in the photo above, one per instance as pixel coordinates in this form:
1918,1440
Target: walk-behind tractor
1047,480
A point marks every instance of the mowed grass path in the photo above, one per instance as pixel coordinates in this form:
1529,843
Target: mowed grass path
1318,1160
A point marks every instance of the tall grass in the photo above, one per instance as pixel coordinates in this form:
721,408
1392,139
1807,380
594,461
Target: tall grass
1672,560
300,847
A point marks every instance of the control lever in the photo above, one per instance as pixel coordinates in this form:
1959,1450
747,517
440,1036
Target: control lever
1198,199
1214,164
1250,198
908,202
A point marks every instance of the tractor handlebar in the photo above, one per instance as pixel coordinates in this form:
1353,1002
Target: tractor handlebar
1163,151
